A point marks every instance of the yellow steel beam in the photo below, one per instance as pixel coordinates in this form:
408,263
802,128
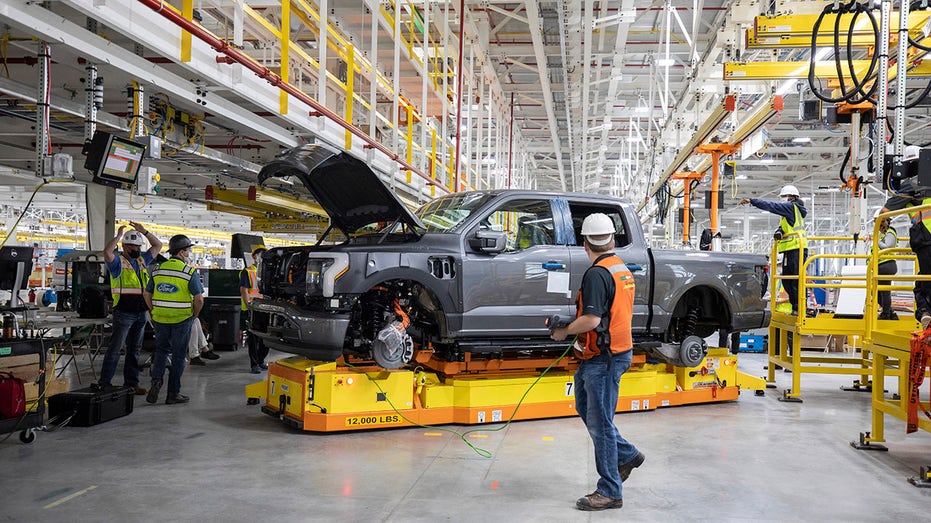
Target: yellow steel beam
230,209
802,25
754,71
284,71
827,69
283,202
242,201
187,10
350,91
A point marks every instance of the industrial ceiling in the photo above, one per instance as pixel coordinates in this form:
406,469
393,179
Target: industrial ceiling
577,95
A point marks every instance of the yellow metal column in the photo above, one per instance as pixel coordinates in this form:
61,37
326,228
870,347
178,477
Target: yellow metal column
350,72
879,377
187,11
284,69
410,139
433,161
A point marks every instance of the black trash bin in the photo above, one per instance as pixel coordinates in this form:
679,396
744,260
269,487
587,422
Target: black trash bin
224,325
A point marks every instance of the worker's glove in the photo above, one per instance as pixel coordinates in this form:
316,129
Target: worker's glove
557,322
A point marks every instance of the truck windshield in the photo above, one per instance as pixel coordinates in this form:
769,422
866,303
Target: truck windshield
446,213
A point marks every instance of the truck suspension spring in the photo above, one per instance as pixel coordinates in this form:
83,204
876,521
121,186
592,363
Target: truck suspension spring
691,320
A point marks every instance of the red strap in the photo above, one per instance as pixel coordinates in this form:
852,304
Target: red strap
920,356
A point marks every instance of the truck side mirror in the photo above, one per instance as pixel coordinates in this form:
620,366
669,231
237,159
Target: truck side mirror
488,241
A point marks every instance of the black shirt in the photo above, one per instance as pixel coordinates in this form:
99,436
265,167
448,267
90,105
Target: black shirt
597,290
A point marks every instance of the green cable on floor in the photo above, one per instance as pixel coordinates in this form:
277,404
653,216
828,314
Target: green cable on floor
462,435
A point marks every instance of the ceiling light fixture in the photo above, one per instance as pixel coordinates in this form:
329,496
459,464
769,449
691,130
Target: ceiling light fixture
801,139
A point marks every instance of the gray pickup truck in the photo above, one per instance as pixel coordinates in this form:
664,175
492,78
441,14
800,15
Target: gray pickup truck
476,272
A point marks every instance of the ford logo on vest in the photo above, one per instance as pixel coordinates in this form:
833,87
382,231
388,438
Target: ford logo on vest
167,288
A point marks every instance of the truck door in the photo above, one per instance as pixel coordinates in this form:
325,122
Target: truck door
512,292
629,246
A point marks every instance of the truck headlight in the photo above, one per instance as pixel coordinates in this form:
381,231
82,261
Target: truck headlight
322,272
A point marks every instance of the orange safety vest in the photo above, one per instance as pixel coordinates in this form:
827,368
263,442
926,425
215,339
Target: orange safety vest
614,331
253,291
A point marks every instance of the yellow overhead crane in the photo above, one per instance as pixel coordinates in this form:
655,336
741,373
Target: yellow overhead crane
795,30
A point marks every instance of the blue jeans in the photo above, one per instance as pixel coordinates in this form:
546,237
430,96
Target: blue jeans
128,328
596,389
171,338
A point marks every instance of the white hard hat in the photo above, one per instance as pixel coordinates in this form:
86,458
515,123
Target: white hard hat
911,152
133,238
598,224
789,190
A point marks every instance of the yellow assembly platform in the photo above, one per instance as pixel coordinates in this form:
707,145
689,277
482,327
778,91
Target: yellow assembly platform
330,397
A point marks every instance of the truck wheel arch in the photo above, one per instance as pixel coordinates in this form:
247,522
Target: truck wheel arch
713,313
442,302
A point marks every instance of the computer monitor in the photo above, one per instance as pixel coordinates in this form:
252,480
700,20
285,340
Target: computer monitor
242,244
15,268
114,161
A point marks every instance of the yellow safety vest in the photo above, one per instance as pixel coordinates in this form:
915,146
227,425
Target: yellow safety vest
924,216
172,301
128,281
793,237
253,291
883,259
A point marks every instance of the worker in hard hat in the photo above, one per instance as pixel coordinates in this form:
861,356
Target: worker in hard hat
248,291
128,277
604,311
791,237
919,239
887,239
175,295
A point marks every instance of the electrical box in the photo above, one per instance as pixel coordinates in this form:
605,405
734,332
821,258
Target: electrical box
147,181
153,146
59,166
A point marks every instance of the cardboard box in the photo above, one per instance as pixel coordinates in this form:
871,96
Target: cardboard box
815,341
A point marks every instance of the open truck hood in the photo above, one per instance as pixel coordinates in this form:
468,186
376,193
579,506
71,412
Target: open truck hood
346,187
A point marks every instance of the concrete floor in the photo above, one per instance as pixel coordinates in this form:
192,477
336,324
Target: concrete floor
217,459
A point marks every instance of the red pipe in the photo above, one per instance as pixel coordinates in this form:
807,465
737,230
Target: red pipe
263,72
459,96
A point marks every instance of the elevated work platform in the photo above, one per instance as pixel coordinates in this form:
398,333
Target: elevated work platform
331,397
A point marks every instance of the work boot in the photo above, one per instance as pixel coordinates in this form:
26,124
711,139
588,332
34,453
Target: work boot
596,501
626,468
210,355
197,361
176,398
263,366
137,390
256,370
152,396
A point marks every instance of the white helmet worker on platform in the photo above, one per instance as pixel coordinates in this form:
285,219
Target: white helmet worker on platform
789,190
598,229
